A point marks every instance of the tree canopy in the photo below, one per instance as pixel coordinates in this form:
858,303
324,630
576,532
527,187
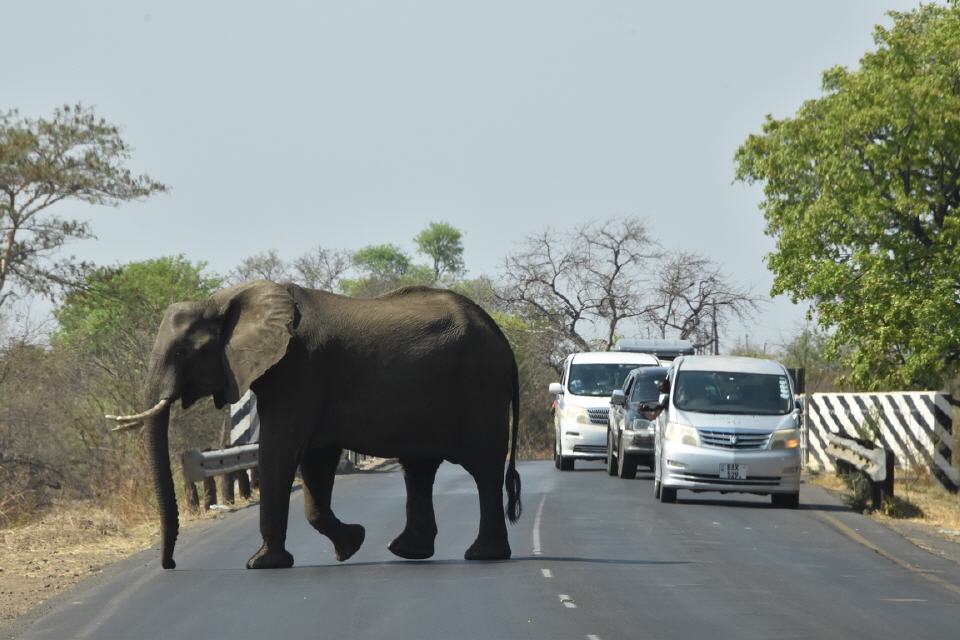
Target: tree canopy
861,193
72,156
117,309
442,244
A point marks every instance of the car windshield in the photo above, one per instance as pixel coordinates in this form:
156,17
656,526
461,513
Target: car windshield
732,392
598,379
645,388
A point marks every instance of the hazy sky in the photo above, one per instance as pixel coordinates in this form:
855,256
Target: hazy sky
289,125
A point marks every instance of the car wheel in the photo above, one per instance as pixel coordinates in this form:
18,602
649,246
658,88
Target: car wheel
656,489
611,461
566,464
668,494
628,465
785,500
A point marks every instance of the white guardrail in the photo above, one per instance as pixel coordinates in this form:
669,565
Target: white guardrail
198,465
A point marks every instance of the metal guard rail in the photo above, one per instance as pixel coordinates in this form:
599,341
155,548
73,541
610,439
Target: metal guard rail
198,465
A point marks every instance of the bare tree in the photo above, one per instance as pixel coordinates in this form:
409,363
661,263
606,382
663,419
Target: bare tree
594,276
693,298
322,268
267,265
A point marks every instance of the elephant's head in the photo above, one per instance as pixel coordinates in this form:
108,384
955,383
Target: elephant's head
217,347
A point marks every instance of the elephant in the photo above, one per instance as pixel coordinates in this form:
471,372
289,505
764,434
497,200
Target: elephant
419,374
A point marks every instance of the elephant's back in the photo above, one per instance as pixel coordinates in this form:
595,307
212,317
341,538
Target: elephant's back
418,365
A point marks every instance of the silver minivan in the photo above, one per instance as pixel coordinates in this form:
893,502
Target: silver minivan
728,424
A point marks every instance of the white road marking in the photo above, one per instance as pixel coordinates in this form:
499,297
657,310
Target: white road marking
904,600
536,527
592,636
546,573
567,601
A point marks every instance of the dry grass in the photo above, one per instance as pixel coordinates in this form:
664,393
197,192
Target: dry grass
72,541
940,508
50,555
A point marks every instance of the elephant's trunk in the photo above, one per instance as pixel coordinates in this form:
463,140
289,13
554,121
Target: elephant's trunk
157,445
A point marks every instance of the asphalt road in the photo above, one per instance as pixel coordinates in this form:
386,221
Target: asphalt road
594,557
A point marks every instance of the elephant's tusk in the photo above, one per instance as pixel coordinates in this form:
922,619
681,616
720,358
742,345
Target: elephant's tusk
136,419
128,425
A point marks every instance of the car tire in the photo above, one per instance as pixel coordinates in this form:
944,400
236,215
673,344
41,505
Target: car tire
566,464
785,500
628,465
656,489
668,495
612,463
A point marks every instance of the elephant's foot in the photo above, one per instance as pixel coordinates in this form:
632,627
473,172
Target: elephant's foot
349,537
412,547
486,550
267,559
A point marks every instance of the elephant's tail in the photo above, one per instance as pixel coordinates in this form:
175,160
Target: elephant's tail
512,480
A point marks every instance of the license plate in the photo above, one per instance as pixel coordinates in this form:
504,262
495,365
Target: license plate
733,472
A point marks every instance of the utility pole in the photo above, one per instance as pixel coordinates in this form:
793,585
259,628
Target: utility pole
716,338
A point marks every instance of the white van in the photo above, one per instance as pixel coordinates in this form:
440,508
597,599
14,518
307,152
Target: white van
582,402
728,424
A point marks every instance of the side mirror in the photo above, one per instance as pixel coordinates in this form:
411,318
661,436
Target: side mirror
664,401
618,398
556,388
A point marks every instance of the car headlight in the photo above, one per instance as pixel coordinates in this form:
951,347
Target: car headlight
785,439
639,424
577,414
682,434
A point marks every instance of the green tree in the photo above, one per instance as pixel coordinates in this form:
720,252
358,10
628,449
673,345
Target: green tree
383,268
862,189
442,244
383,261
112,318
72,156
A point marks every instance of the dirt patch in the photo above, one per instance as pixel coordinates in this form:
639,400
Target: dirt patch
69,543
51,555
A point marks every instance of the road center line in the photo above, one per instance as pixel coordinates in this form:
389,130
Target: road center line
536,527
546,573
592,636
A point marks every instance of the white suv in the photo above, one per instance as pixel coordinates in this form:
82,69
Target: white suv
583,402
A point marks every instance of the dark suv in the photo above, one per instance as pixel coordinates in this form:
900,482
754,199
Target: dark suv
630,430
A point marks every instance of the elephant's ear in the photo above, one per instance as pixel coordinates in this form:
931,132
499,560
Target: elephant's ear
258,320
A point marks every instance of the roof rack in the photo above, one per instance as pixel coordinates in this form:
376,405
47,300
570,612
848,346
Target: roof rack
663,349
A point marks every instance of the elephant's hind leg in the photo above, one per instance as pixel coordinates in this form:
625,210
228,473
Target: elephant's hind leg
491,542
319,468
416,540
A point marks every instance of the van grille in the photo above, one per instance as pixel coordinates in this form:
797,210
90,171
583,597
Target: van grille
764,481
732,439
599,415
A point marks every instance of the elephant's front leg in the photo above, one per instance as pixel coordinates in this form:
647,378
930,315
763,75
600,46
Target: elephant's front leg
319,468
278,465
416,541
